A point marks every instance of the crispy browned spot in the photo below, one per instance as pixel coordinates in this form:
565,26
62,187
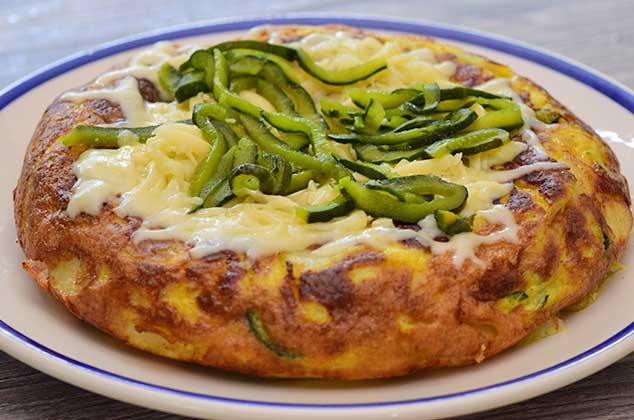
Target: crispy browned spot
577,235
332,287
148,90
497,281
550,259
551,184
103,108
527,157
466,74
609,184
520,201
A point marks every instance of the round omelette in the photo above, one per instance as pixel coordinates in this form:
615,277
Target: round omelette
318,202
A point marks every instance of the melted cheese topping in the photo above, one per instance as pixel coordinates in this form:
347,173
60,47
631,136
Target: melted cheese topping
151,180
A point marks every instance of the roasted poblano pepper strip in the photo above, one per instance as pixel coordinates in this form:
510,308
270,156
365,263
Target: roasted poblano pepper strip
168,78
452,224
314,130
417,122
547,116
221,89
287,53
279,169
237,55
260,332
246,152
271,144
304,104
375,154
246,65
219,195
426,101
266,181
280,101
366,169
203,60
373,117
213,193
338,207
242,184
104,137
208,165
461,92
226,115
191,84
447,196
268,91
299,180
454,104
338,77
230,137
336,110
394,99
455,122
469,143
507,115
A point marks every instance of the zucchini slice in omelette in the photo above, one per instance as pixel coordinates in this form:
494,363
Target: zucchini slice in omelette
318,202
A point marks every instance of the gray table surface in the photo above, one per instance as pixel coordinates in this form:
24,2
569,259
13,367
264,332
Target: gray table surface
35,33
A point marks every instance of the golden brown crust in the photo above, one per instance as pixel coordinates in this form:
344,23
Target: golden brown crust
413,311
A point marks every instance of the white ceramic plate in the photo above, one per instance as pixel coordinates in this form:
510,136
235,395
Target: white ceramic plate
40,332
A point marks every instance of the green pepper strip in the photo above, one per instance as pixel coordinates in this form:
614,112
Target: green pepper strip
191,84
340,77
454,104
470,143
314,131
279,169
456,121
203,60
223,114
103,137
547,116
299,180
258,329
304,104
245,65
216,190
374,154
280,101
373,117
283,65
452,224
242,184
338,207
268,142
266,181
447,196
208,165
507,115
168,78
268,91
366,169
425,102
461,92
394,99
222,93
336,110
333,77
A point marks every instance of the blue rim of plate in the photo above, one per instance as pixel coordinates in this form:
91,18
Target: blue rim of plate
618,93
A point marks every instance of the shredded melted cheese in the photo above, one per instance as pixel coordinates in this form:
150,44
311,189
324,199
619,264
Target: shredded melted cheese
151,180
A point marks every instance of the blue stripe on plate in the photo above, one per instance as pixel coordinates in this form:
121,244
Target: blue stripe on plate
609,88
